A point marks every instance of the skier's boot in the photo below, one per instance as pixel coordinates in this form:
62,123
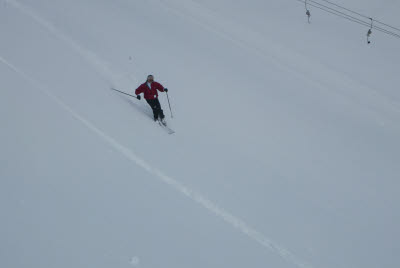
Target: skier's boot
163,121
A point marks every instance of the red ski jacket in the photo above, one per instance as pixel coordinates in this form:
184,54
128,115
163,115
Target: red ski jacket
149,93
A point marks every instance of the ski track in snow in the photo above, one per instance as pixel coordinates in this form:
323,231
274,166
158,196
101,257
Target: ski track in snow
102,67
191,194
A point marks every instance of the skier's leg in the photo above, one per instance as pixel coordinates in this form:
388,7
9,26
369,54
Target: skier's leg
153,106
160,111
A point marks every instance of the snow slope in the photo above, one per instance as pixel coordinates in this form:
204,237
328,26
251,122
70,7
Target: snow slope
286,151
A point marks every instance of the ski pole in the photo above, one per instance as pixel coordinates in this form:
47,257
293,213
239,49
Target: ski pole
124,93
169,105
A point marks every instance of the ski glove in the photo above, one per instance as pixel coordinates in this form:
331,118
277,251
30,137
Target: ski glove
138,97
166,89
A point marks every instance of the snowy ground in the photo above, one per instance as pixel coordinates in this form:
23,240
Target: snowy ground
286,151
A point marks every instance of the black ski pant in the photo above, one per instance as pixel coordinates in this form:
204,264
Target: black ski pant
156,107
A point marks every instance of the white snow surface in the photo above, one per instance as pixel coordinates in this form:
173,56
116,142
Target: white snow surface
287,143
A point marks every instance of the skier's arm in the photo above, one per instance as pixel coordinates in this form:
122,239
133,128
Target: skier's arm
138,91
160,87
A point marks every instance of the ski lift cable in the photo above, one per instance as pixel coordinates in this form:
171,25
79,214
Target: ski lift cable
341,14
359,14
337,11
350,18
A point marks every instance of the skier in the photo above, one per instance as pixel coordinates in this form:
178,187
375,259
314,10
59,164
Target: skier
149,88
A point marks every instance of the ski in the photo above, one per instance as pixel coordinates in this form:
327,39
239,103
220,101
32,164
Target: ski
166,128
